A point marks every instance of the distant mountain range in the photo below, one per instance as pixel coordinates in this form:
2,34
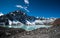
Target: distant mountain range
22,17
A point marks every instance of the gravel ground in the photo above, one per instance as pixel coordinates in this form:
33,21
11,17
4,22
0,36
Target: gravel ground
53,32
32,34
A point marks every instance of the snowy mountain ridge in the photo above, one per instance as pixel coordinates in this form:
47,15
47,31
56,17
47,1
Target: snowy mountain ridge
19,17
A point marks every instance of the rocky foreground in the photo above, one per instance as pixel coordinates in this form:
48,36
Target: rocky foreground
53,32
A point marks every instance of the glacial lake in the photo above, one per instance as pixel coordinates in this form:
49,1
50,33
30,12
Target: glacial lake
28,27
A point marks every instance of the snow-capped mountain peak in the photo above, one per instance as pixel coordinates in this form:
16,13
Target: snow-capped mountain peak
1,14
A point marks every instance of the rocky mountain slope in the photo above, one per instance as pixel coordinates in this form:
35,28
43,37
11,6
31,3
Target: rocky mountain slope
16,16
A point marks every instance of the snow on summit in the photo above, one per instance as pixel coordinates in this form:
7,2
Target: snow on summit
1,14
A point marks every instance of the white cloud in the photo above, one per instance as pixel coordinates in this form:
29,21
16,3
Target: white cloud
19,6
26,1
26,9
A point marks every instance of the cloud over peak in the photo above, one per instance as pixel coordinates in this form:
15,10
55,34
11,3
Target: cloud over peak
22,7
26,1
19,6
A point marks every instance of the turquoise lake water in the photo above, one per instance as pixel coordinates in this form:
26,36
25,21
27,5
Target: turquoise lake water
28,27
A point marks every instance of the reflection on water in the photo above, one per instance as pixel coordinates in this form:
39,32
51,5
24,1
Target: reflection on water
28,27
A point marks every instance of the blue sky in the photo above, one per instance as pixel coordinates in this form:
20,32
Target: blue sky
41,8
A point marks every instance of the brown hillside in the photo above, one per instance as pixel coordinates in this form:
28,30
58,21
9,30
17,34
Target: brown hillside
57,22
